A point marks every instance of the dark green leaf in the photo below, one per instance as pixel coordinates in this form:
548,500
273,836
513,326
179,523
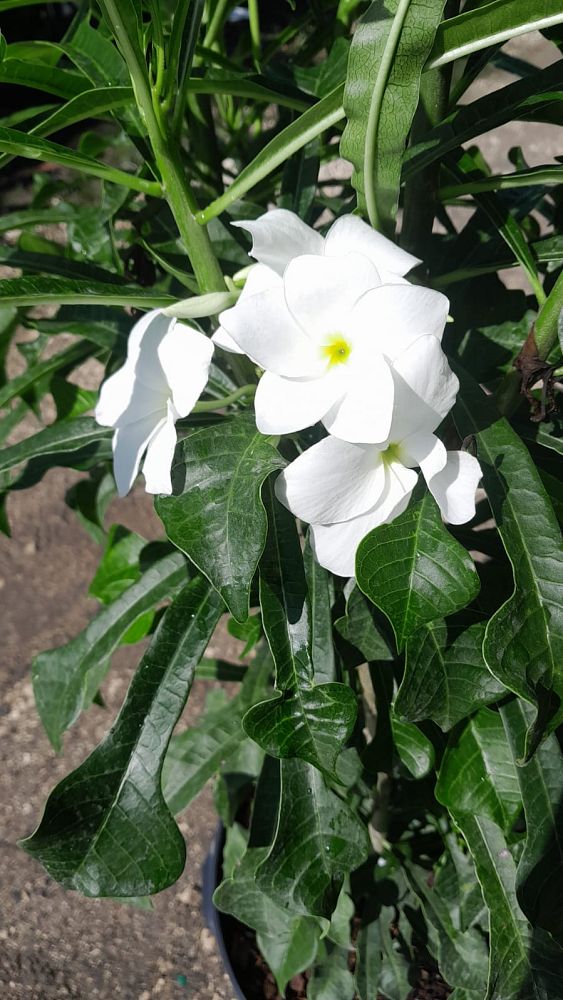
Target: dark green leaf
106,829
331,978
60,438
477,774
445,683
414,571
318,841
119,565
368,960
414,748
59,675
389,48
524,639
359,628
540,869
39,291
306,720
216,515
65,360
319,589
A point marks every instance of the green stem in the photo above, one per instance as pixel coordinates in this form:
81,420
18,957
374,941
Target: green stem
207,406
547,323
167,153
215,23
255,36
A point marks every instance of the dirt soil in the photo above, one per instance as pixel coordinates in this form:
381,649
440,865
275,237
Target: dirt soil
55,944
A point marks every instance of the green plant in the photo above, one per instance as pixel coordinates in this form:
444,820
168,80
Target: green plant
395,736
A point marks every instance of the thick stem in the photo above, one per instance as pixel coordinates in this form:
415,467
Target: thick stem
168,159
547,323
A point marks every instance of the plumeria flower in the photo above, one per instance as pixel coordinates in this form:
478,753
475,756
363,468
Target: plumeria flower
344,490
326,335
279,235
167,368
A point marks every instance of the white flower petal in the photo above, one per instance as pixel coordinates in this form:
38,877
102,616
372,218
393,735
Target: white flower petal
425,387
121,391
284,405
158,460
364,413
425,450
397,315
321,291
260,279
454,487
129,443
185,355
264,328
332,481
335,544
350,234
279,236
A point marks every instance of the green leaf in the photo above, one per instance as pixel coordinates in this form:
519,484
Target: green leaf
106,830
319,589
322,116
306,720
540,869
359,628
119,565
394,979
525,963
523,644
39,291
490,24
248,632
331,978
414,571
528,98
50,79
389,48
216,515
368,960
318,841
59,675
22,144
414,748
64,360
442,682
195,755
462,956
58,439
477,774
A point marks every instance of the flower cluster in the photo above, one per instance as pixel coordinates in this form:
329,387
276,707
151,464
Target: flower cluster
342,338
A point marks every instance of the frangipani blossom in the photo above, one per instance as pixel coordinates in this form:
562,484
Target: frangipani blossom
344,490
279,235
166,369
326,335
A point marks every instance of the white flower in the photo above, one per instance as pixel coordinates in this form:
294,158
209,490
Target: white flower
166,369
344,490
326,334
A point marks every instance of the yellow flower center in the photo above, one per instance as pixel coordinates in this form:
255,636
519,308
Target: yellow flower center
336,350
391,454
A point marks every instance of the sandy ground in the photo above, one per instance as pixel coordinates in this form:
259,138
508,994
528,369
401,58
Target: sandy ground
54,943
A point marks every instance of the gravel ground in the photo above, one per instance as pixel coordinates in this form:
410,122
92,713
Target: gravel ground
54,943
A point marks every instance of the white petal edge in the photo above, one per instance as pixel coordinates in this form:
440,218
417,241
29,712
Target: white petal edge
185,355
364,414
141,370
425,450
350,234
321,292
130,441
265,330
422,371
332,481
158,459
284,405
278,236
394,316
260,279
454,487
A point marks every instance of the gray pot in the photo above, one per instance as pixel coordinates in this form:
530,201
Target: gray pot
211,877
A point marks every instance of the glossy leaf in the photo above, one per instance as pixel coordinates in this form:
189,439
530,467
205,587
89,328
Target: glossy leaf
216,515
64,360
490,24
195,755
106,829
318,840
414,571
442,682
524,639
389,48
59,438
319,588
39,290
525,963
331,978
59,675
359,628
368,960
119,566
540,869
34,148
477,774
414,748
307,720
